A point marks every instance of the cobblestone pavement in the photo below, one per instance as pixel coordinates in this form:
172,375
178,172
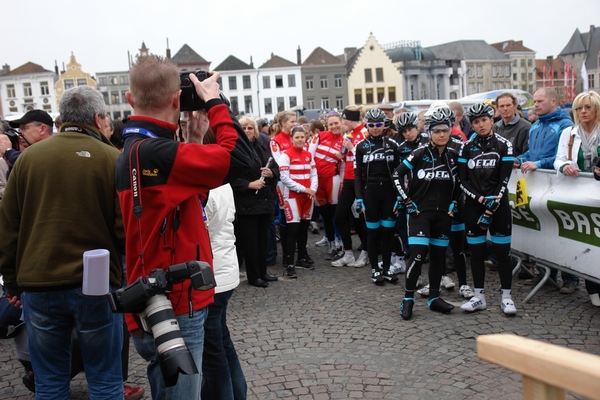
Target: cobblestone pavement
332,334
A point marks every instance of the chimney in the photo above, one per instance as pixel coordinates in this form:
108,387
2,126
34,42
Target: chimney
251,62
5,68
55,67
299,56
63,70
168,50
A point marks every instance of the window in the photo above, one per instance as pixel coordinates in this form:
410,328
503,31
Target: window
337,79
424,91
309,83
494,86
232,83
126,114
246,81
292,80
10,91
220,82
479,71
479,87
523,76
412,92
507,70
114,97
268,106
123,97
523,87
514,63
117,114
47,107
44,89
358,96
391,94
591,82
68,83
105,95
81,82
470,72
27,90
471,89
310,103
113,80
379,74
530,62
514,77
368,75
380,94
13,109
324,83
293,101
494,72
530,76
280,104
522,62
234,104
124,80
103,81
339,102
437,90
325,103
369,93
278,81
530,88
248,104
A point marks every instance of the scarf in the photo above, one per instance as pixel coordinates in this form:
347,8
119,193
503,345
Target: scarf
589,145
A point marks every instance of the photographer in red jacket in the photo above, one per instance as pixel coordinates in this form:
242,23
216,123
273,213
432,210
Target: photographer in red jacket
168,225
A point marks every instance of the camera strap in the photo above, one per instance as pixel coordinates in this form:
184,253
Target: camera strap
136,188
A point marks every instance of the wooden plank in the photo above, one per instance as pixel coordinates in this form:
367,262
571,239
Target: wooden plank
557,366
536,390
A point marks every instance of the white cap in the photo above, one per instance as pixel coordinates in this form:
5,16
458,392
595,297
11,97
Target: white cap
434,106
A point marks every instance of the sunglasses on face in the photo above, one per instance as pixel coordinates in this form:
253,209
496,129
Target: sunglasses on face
375,124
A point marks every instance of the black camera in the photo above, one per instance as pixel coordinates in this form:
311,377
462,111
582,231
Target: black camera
189,99
596,162
146,296
14,138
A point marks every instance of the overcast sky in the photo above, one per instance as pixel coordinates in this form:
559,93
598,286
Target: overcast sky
100,33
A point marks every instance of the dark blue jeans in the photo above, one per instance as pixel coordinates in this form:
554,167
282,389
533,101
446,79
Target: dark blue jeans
50,318
222,375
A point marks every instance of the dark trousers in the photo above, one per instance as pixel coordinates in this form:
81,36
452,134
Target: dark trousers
222,375
251,242
343,211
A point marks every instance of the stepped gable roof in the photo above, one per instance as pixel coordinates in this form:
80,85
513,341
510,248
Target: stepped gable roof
351,58
186,55
27,68
397,54
232,63
575,45
466,50
510,46
277,62
320,56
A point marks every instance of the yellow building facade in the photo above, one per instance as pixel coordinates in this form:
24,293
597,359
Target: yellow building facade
71,77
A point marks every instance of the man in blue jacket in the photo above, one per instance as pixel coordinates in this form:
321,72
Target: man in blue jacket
543,144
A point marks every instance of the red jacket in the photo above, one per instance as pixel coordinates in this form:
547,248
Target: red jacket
357,134
324,147
173,176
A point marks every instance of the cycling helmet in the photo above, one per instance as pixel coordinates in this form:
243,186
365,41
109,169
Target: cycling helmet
389,123
375,115
406,120
441,116
480,110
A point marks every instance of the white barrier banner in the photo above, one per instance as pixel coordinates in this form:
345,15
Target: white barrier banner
561,223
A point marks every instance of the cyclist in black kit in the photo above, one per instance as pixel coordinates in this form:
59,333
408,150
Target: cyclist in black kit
431,204
375,160
484,169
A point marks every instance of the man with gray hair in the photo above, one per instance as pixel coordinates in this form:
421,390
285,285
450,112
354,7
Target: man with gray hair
60,202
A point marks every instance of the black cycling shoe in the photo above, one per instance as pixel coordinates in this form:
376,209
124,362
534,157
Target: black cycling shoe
437,304
304,264
406,308
389,277
376,277
309,260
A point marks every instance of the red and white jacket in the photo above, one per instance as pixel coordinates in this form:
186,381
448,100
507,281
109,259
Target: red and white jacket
357,134
324,147
297,172
280,143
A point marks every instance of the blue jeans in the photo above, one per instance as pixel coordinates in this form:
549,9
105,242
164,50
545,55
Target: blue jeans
223,378
188,386
50,318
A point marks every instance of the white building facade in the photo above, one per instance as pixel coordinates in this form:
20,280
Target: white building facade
29,87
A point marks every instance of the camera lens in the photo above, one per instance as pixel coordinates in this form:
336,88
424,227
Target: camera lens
186,81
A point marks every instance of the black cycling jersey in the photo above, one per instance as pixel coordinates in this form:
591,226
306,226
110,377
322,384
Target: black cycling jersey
407,147
376,157
485,165
433,183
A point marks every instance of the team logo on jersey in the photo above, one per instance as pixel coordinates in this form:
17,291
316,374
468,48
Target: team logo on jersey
315,139
438,173
479,162
378,157
307,159
274,147
429,160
